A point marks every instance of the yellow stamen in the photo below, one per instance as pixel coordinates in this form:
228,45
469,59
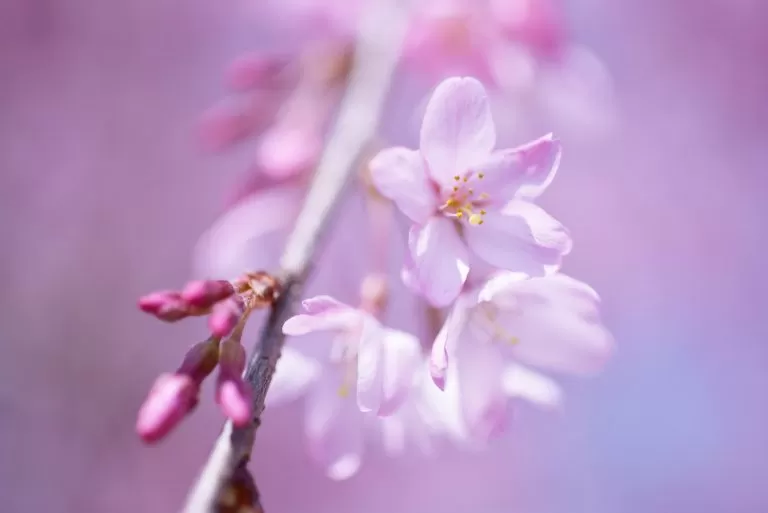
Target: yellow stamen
459,214
457,178
475,219
466,178
481,175
455,188
483,212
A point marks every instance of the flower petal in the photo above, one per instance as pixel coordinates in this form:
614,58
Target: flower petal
447,339
250,235
334,427
328,319
322,304
440,260
557,324
522,237
524,171
294,374
527,384
482,397
384,387
399,174
457,130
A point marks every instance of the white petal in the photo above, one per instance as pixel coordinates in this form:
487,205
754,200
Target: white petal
458,129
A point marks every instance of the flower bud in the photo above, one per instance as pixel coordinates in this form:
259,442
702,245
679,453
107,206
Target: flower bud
288,151
172,397
225,315
255,70
232,394
200,360
165,305
205,293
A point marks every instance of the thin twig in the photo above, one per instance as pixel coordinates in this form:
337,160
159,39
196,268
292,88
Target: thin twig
376,57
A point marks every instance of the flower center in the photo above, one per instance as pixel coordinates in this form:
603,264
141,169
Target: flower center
488,320
463,202
344,355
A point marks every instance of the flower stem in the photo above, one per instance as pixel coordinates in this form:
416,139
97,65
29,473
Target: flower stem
376,55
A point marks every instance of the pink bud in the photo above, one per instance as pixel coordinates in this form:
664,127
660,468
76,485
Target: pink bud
165,305
255,70
232,393
234,398
205,293
536,23
223,126
200,360
171,398
225,316
288,151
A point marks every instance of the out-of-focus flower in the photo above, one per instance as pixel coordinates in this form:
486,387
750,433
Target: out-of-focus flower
353,368
285,102
461,195
551,322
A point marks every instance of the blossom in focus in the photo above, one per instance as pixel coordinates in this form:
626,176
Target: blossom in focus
463,197
514,320
351,369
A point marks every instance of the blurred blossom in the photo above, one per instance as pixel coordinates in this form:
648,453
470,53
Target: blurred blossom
365,368
551,322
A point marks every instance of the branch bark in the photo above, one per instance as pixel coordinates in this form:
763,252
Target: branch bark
376,56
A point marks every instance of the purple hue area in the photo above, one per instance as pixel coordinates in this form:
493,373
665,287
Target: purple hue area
103,196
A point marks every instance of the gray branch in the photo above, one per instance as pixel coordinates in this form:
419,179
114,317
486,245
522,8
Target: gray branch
376,56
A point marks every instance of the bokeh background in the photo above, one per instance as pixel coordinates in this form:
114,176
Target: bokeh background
103,195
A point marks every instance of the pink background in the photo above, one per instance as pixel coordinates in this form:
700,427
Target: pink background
103,195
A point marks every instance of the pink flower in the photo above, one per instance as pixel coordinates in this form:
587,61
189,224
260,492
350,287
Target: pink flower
463,196
549,322
359,369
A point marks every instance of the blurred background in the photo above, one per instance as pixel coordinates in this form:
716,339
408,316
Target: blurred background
104,194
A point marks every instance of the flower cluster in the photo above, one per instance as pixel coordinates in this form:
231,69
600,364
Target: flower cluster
480,253
479,245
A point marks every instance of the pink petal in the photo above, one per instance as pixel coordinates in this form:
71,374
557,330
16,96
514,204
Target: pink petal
294,374
557,323
531,386
440,260
387,364
448,338
526,170
334,427
322,304
324,317
482,398
399,174
522,237
458,130
251,234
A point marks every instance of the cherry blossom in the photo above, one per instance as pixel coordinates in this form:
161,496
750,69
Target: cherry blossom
463,197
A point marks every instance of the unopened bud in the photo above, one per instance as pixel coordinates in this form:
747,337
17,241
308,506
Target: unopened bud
165,305
373,293
200,360
256,70
172,397
225,315
288,151
232,393
205,293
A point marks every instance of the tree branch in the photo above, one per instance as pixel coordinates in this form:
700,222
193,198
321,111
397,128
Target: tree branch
377,53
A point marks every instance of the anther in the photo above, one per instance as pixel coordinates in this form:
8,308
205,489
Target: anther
483,212
481,175
457,178
475,219
455,188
